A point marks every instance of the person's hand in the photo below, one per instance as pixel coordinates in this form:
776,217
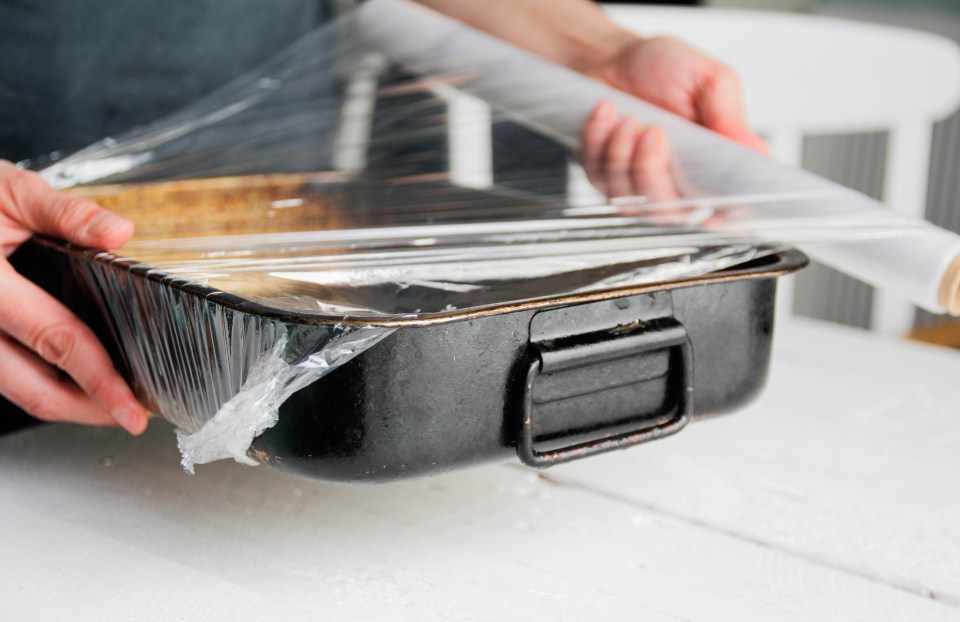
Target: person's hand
670,74
51,364
624,158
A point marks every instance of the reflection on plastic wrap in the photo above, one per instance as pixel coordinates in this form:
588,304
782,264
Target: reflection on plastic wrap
397,91
921,266
347,245
398,164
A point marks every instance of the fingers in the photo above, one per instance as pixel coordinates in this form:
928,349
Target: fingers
38,389
620,158
651,166
596,131
27,200
37,321
37,333
720,108
623,159
746,137
596,135
670,74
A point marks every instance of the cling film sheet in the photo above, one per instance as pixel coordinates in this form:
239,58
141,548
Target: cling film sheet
218,374
397,164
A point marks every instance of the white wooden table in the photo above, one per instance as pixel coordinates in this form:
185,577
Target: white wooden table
835,497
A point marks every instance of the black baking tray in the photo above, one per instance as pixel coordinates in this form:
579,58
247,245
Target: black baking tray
542,384
544,381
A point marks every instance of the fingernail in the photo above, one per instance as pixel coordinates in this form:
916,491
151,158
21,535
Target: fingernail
761,145
133,419
105,223
629,124
650,139
606,110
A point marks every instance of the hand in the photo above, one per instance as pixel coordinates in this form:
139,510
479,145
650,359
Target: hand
38,335
622,158
685,81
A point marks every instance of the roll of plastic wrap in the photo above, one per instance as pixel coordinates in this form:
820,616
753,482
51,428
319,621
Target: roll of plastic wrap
923,265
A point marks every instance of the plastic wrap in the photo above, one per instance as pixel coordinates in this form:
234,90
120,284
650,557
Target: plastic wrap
217,373
396,165
918,266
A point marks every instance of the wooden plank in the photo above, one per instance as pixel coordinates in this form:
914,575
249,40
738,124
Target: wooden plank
943,332
112,524
849,461
56,570
228,205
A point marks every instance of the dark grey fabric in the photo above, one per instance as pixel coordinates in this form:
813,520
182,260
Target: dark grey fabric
75,71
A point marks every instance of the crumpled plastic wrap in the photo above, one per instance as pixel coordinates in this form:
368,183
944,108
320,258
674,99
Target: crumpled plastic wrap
397,165
256,405
217,373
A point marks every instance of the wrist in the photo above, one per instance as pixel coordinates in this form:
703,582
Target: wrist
599,55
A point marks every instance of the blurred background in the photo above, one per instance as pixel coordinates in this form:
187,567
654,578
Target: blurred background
861,159
865,159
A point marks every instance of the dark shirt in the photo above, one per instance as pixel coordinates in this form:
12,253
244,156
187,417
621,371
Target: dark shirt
75,71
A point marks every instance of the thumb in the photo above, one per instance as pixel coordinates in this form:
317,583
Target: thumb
745,136
31,202
720,108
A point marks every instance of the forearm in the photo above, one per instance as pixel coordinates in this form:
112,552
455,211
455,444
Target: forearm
574,33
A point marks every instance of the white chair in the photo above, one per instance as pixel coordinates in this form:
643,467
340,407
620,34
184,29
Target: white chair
807,74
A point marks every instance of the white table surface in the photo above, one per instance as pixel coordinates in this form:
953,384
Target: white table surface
836,496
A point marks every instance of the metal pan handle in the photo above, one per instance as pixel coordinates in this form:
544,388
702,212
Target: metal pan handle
656,336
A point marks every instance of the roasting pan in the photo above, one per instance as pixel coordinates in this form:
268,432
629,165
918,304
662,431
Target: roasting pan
545,380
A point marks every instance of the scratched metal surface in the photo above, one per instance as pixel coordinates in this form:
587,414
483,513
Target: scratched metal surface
835,497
